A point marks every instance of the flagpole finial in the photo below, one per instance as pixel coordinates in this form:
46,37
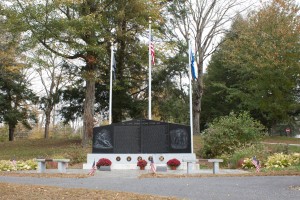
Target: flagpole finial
150,21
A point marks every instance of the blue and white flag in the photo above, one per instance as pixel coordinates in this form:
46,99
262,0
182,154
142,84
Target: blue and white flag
193,69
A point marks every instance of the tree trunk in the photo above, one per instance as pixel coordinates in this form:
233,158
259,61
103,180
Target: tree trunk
197,96
11,132
47,123
88,113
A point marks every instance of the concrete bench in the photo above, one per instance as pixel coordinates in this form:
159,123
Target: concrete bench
215,164
197,161
62,164
189,164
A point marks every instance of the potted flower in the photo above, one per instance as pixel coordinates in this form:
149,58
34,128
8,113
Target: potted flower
173,163
103,164
142,164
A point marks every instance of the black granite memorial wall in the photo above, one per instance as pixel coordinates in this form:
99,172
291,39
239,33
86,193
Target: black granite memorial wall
142,136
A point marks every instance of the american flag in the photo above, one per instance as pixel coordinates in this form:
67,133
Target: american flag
152,167
256,163
152,52
93,170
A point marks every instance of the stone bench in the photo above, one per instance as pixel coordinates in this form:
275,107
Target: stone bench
197,161
215,164
62,164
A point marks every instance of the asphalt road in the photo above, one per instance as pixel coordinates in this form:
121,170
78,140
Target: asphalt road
260,187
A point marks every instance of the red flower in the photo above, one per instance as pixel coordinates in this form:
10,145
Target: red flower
173,162
142,163
103,162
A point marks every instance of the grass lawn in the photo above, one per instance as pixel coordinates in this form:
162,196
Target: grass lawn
26,149
281,139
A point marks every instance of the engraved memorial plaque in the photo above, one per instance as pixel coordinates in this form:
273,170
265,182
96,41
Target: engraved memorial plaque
127,139
179,138
103,139
154,139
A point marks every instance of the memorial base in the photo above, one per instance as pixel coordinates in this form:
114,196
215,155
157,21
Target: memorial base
105,168
129,161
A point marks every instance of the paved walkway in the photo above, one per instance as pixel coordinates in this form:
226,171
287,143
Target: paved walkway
281,143
231,188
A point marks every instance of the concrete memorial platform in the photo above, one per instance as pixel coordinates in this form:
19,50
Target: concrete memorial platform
129,161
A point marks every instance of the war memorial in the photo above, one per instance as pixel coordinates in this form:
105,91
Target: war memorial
127,142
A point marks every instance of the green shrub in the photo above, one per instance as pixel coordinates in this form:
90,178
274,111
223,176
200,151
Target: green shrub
7,165
296,158
280,160
227,134
32,163
235,160
21,165
247,164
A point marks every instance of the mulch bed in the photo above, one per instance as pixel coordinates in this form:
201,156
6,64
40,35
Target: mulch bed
18,191
44,175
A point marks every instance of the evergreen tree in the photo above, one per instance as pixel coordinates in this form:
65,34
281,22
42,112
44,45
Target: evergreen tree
257,66
15,95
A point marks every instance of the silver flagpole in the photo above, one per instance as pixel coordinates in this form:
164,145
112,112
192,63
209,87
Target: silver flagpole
150,75
110,81
191,95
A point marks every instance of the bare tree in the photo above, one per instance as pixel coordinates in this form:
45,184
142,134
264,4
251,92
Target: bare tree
202,21
52,79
